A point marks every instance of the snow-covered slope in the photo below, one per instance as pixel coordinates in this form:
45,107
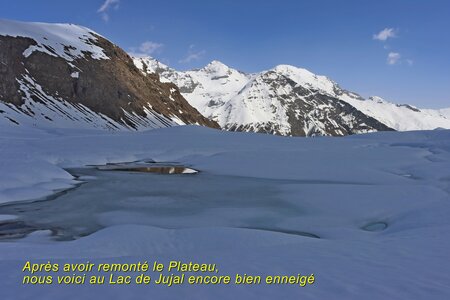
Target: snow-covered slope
445,112
402,117
65,75
67,41
290,101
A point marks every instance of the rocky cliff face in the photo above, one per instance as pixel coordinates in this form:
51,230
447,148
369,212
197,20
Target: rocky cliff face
61,71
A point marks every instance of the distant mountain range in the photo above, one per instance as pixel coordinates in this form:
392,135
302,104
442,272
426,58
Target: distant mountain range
288,100
64,75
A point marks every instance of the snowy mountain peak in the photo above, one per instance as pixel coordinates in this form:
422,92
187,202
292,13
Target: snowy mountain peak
217,69
68,41
308,79
216,65
150,65
292,69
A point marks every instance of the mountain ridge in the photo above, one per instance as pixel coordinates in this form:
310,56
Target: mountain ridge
217,90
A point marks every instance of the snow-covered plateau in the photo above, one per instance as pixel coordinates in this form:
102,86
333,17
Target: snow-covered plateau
366,214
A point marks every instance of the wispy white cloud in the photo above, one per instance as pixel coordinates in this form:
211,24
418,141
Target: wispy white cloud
192,55
150,47
385,34
106,6
147,48
393,58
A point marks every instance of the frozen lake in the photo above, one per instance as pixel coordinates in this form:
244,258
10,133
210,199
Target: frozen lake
106,197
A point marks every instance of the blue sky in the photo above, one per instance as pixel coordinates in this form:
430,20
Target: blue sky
398,49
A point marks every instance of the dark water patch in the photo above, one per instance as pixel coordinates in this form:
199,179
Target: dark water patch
147,166
151,169
16,229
